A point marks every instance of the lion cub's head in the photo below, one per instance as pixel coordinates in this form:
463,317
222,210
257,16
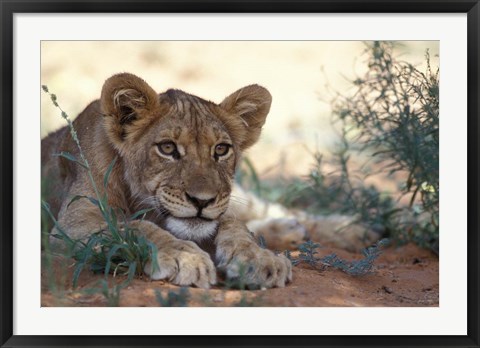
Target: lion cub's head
179,152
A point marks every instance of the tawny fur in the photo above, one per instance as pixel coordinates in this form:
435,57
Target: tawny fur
189,188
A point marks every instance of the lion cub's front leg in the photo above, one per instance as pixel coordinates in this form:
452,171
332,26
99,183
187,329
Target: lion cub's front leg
235,246
179,261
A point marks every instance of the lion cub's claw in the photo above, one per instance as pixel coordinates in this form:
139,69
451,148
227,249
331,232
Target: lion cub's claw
183,263
260,268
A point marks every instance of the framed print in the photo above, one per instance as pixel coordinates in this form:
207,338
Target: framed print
241,173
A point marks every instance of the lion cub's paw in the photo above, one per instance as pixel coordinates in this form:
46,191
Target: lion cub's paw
183,263
261,268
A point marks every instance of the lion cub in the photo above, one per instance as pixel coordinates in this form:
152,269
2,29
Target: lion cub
176,153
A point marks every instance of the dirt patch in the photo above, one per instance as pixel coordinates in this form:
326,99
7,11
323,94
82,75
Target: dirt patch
404,276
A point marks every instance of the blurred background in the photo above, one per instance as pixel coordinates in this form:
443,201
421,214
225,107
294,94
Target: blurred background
300,75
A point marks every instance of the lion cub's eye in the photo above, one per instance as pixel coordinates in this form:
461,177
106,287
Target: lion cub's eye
168,148
221,150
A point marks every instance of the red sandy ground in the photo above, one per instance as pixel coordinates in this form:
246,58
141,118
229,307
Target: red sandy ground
404,276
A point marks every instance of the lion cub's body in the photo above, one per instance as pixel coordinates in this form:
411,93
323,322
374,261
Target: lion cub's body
177,154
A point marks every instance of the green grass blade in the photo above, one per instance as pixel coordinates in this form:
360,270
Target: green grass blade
131,273
64,236
140,213
153,255
84,255
110,254
108,172
76,273
114,221
77,197
70,157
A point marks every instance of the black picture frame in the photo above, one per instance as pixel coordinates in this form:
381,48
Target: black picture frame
9,7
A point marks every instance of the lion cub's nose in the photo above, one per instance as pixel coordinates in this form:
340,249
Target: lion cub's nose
199,203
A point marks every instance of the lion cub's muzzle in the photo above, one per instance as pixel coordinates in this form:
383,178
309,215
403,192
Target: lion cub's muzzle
200,203
188,204
195,218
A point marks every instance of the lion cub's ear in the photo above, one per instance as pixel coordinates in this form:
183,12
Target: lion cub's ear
129,104
251,104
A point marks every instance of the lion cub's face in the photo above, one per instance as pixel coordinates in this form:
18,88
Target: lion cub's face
180,151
